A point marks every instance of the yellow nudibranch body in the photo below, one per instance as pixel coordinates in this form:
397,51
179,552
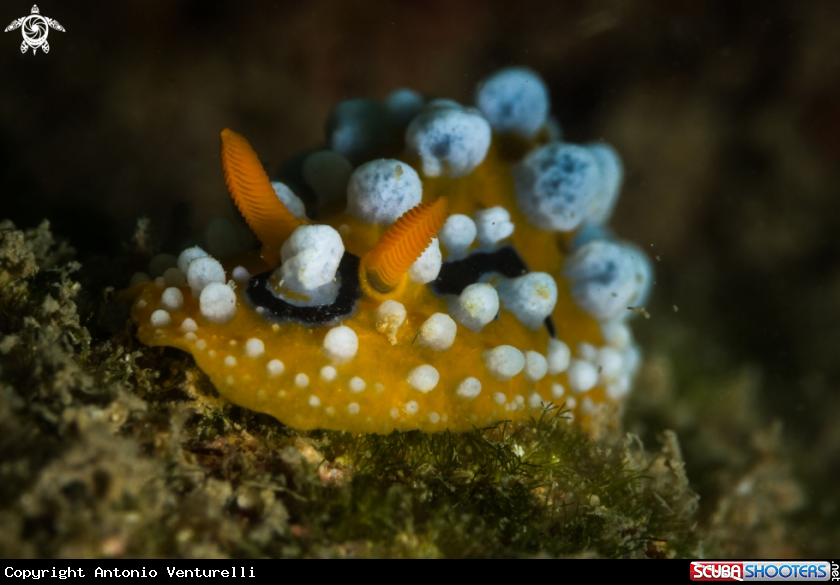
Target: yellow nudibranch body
493,313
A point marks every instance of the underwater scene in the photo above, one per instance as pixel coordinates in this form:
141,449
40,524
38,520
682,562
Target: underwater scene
420,280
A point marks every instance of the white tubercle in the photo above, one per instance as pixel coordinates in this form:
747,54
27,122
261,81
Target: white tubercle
217,303
289,199
172,299
160,318
536,366
203,271
450,140
341,344
328,373
555,185
389,317
587,406
189,326
558,356
587,351
535,400
514,99
469,388
608,277
582,376
310,259
612,175
610,362
475,307
275,368
619,388
531,297
427,267
504,362
187,256
457,234
254,348
380,191
241,274
438,332
492,226
616,334
423,378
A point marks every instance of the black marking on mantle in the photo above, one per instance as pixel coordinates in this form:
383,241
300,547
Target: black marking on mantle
276,310
457,275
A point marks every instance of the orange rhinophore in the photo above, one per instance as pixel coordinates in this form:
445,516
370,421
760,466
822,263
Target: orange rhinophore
253,194
384,267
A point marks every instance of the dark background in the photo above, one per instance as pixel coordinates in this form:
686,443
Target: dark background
727,114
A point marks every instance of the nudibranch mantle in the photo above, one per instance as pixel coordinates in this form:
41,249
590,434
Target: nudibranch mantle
492,320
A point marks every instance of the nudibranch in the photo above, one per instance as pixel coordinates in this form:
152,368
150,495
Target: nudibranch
434,267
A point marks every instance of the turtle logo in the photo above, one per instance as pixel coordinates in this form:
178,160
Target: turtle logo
35,29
